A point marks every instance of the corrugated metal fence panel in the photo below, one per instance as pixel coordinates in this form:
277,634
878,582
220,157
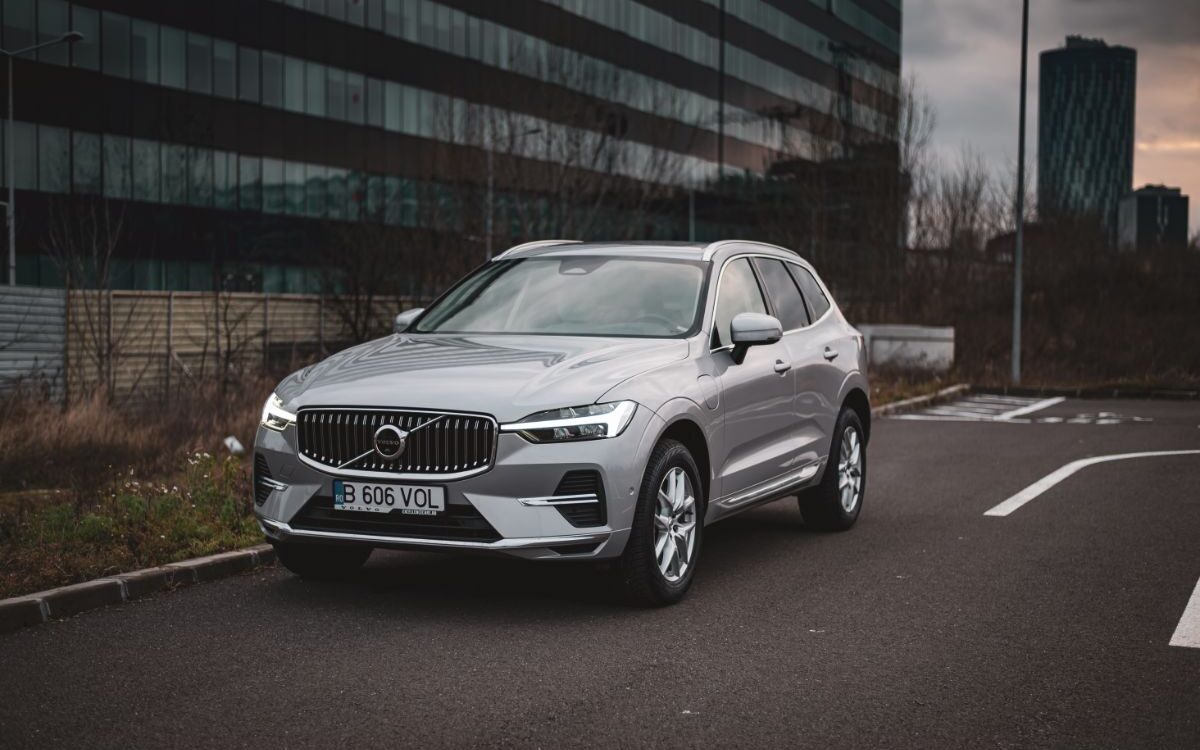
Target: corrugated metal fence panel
149,344
32,333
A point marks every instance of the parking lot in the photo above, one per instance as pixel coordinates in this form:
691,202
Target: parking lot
1048,622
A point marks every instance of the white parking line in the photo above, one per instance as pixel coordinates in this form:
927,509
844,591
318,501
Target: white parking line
1187,632
1037,406
1032,491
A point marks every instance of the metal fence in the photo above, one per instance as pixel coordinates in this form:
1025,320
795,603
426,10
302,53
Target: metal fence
138,345
32,337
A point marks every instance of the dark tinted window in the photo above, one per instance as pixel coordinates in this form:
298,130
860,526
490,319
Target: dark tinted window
818,303
781,288
738,293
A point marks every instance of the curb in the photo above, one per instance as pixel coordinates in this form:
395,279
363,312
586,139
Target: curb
908,404
35,609
1099,391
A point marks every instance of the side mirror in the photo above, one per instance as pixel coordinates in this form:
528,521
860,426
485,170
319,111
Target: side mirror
405,319
753,329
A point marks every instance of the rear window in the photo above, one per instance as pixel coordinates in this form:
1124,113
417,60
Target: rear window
785,296
818,303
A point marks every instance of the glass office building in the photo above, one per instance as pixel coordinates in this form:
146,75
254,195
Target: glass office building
228,135
1085,131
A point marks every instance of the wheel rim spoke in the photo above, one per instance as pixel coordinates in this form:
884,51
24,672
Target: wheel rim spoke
850,469
675,525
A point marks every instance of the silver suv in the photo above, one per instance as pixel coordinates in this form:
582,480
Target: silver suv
568,401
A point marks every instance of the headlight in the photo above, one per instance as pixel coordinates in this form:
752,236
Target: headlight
575,423
275,416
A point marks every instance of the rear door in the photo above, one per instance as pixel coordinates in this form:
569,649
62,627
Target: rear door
827,351
757,395
803,354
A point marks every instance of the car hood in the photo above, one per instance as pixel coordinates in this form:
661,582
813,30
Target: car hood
509,377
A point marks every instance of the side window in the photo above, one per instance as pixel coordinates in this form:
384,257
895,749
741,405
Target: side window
818,303
784,295
738,293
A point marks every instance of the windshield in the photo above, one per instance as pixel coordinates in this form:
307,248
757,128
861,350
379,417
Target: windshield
575,296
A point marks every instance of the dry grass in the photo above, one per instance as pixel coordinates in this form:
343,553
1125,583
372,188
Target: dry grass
889,384
93,489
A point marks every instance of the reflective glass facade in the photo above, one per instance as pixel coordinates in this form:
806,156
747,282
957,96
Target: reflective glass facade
1085,131
243,120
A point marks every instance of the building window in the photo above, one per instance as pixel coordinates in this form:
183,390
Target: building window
52,16
392,110
86,163
272,186
272,80
146,168
174,57
116,44
250,183
375,102
225,195
293,188
356,12
336,9
335,193
375,14
25,165
116,167
54,159
224,68
200,171
199,63
375,197
248,74
293,84
86,52
18,24
315,6
314,190
315,100
355,186
391,17
144,48
174,174
355,104
336,93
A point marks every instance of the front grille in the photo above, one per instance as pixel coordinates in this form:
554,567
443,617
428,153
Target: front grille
438,443
582,483
262,490
456,523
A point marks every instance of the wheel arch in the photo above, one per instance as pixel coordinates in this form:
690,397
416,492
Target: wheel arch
687,431
856,399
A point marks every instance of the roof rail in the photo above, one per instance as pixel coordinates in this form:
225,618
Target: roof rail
530,245
713,247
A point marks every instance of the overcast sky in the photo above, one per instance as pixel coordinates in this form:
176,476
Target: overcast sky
966,55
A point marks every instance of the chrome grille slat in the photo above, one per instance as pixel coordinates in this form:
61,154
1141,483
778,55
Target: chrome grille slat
456,444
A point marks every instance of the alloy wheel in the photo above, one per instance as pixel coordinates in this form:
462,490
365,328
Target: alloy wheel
675,525
850,470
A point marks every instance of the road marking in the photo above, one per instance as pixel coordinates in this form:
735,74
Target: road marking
1056,476
1037,406
1187,632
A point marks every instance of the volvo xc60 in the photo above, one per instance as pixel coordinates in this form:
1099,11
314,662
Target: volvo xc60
575,401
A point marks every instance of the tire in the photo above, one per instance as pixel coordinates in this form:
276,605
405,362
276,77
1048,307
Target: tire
676,521
321,562
830,506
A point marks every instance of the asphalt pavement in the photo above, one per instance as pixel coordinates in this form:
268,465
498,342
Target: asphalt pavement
927,625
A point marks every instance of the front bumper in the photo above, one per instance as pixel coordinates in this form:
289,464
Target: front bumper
522,470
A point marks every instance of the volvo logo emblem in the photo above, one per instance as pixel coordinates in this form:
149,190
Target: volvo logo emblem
389,441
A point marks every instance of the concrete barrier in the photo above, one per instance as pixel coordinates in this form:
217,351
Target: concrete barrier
923,347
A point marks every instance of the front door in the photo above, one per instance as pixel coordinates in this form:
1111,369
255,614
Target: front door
757,396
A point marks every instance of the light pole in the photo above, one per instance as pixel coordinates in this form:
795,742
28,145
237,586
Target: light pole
490,186
10,208
1019,244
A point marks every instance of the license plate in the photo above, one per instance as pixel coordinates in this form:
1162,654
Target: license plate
385,498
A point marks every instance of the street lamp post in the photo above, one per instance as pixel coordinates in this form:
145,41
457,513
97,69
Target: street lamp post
10,208
491,187
1019,243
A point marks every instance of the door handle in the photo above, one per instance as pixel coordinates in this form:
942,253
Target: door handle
781,367
830,353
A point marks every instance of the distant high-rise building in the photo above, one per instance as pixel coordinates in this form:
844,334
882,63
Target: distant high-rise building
1085,130
1155,216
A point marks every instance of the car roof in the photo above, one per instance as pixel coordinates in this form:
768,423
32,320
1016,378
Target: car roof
704,251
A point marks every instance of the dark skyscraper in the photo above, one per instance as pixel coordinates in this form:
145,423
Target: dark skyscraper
1085,130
